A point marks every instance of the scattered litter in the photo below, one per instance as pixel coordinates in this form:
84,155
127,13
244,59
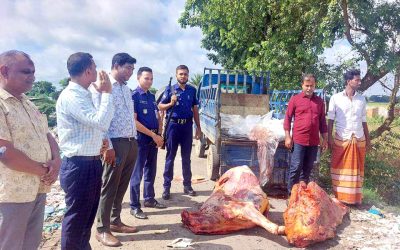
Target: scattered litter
51,227
195,179
161,231
48,210
54,210
379,230
181,243
376,211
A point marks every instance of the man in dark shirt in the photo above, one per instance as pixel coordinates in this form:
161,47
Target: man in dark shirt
148,125
181,104
308,111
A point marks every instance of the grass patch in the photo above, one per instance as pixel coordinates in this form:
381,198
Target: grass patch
371,196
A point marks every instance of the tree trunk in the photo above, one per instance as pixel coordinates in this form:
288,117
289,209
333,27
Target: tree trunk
392,103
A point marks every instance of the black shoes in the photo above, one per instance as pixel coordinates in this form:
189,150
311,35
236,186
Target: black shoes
138,213
166,194
154,204
189,191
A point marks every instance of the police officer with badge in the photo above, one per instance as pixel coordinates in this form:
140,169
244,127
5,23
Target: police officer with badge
180,102
148,125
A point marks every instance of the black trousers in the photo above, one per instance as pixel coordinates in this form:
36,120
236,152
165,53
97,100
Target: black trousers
80,178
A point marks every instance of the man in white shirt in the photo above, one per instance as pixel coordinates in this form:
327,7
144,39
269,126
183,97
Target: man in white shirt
81,128
347,109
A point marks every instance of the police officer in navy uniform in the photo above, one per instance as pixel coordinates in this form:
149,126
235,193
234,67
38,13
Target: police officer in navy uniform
148,125
180,102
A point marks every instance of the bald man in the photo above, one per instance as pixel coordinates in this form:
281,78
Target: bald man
29,157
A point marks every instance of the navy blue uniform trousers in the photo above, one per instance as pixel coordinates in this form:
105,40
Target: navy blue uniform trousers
301,164
178,134
80,178
146,167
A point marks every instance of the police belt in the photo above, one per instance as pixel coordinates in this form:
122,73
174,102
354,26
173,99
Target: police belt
180,121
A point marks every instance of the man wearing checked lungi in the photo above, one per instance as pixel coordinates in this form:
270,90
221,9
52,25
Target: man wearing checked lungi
347,110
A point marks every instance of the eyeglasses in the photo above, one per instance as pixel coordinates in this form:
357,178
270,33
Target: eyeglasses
128,67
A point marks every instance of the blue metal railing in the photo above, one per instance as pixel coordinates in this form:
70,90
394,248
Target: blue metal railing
279,99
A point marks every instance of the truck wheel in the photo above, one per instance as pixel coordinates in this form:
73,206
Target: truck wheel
200,148
212,163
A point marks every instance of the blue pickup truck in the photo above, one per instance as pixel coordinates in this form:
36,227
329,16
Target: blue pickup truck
235,92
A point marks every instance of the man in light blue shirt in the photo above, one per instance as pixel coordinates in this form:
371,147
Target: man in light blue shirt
81,128
119,160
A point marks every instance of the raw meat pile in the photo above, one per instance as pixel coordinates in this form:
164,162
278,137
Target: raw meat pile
312,216
236,203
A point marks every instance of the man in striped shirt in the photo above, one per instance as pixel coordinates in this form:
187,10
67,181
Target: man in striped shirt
81,128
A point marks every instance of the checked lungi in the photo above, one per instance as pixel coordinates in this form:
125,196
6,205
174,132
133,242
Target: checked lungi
347,169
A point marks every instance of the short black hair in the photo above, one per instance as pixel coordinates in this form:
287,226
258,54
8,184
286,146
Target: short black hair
79,62
144,69
122,58
307,75
182,67
350,74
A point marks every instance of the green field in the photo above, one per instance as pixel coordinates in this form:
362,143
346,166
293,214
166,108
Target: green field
377,104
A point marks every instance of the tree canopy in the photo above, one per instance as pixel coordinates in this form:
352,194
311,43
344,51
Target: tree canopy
195,79
44,95
287,37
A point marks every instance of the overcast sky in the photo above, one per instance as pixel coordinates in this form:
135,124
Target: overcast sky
51,30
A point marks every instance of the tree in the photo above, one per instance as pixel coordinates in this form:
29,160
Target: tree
64,82
286,37
196,79
153,90
44,95
373,30
42,88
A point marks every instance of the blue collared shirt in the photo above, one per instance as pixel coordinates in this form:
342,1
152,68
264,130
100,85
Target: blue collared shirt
186,100
123,122
80,125
145,108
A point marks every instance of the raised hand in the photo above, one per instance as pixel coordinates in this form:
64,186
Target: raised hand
103,83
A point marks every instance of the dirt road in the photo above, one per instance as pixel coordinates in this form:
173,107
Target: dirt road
358,230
